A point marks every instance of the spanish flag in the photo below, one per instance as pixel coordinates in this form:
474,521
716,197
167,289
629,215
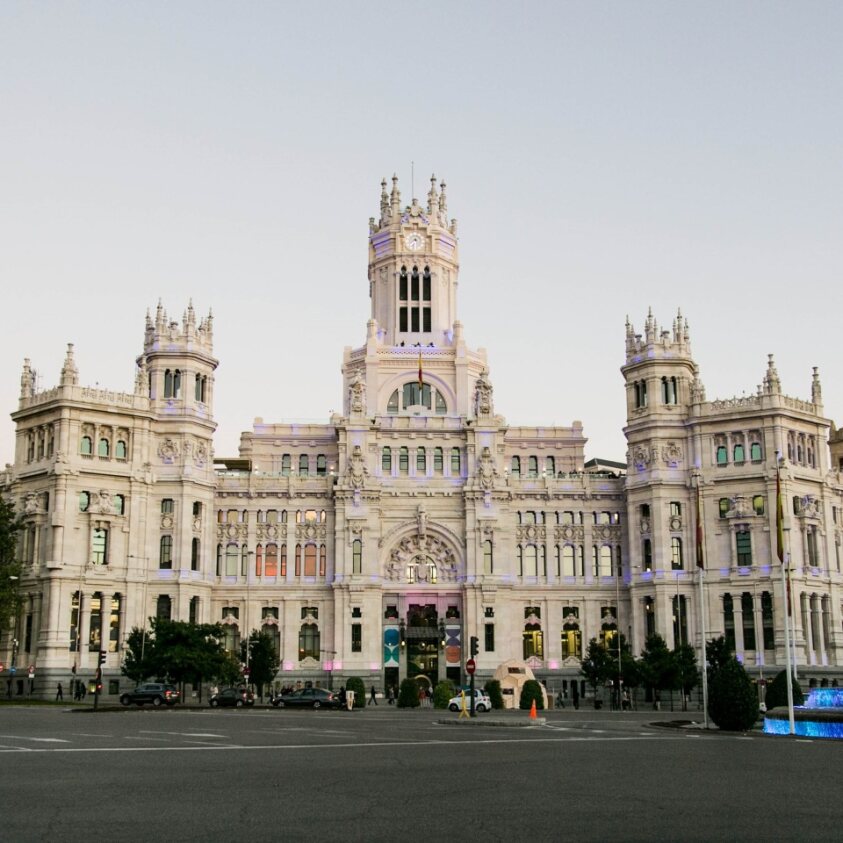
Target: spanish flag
421,379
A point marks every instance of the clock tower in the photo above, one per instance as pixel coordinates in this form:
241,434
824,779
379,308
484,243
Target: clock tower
413,265
415,361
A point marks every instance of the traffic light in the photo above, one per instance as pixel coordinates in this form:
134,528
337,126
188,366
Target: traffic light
102,657
474,647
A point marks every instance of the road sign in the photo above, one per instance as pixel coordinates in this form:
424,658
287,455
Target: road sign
470,667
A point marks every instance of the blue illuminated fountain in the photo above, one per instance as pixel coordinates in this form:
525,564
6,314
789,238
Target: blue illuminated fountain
820,717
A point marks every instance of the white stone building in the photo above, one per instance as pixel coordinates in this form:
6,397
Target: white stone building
377,544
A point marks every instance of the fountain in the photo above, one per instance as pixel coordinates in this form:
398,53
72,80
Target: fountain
820,717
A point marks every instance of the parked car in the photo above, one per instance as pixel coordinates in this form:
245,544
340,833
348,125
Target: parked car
235,697
307,698
157,693
481,701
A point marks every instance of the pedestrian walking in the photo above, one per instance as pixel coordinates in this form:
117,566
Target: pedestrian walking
575,694
59,693
372,697
390,695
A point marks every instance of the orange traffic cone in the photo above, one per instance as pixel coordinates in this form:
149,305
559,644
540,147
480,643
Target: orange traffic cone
533,714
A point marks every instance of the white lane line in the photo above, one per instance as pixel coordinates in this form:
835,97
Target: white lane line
181,734
313,747
38,740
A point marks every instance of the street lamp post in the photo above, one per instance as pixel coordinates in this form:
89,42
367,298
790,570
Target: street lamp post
12,665
618,631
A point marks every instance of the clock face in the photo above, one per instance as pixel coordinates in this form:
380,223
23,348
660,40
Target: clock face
413,241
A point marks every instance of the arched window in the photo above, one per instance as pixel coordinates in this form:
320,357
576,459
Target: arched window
647,554
298,560
426,284
530,561
309,641
755,451
488,558
259,560
323,559
244,560
743,546
167,506
286,465
164,607
168,384
165,552
357,557
194,554
550,466
219,560
414,395
103,449
758,504
231,556
282,562
304,465
414,284
533,641
321,465
455,462
738,454
438,461
722,455
310,560
640,389
84,501
403,459
86,447
119,503
571,641
421,460
515,467
402,285
605,561
568,564
441,406
177,383
271,564
386,460
723,507
120,450
669,390
532,466
392,404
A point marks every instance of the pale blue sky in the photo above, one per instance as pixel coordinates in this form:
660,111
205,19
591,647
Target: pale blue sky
600,158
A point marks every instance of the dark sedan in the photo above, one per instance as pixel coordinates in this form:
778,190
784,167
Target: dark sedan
235,697
307,698
157,693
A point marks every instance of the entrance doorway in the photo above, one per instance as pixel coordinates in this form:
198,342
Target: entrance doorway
424,638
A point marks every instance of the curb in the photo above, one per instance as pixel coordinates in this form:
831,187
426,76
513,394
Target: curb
506,724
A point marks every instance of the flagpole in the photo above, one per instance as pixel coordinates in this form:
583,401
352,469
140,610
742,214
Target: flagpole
701,569
785,592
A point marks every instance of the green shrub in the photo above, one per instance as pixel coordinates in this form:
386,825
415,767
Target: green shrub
408,694
355,683
442,694
493,689
777,692
732,699
531,690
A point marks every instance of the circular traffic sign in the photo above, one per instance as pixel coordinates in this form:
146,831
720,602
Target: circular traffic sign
470,666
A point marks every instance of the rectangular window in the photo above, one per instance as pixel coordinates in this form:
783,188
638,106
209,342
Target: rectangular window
167,506
426,318
489,640
74,622
114,624
743,546
99,547
414,315
455,462
310,560
675,508
402,319
165,555
357,638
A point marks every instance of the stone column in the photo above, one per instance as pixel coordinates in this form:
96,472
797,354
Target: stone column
822,656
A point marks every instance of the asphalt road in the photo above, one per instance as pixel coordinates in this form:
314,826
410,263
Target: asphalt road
387,774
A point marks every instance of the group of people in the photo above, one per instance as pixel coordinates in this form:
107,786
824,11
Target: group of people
77,686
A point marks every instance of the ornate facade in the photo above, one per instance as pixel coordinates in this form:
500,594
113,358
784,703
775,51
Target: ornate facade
377,544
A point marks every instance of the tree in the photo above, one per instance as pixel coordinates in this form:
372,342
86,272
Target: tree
777,691
263,660
598,667
408,694
688,675
443,693
355,683
179,651
493,689
732,701
658,666
531,691
10,568
717,654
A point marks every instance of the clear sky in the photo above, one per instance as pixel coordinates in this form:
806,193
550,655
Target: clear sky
600,158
